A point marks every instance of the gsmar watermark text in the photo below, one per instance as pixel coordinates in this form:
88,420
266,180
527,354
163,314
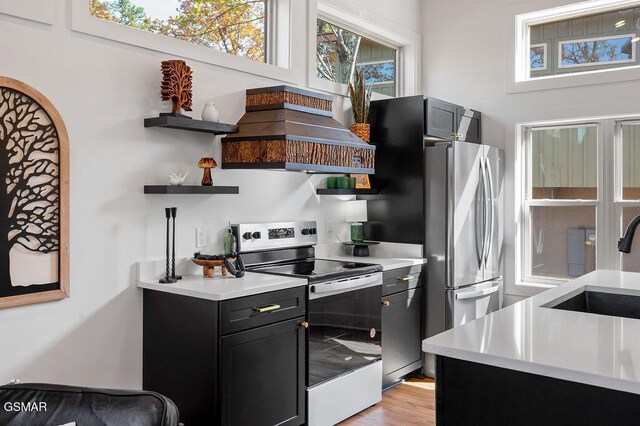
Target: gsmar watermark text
25,406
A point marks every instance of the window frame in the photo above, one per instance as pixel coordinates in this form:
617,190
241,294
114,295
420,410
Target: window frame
591,64
406,43
527,202
520,17
609,204
278,38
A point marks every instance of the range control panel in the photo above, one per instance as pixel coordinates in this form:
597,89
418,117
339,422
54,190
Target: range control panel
263,236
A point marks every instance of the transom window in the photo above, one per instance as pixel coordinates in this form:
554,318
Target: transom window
340,52
237,27
579,38
581,187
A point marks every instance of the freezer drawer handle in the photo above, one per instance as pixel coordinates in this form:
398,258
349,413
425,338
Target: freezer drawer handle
474,294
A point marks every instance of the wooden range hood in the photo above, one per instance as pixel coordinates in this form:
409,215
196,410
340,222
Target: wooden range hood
287,128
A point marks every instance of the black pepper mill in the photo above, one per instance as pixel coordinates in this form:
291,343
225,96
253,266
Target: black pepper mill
174,212
167,278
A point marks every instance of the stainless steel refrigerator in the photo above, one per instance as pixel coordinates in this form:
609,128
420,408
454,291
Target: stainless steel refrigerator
463,233
445,196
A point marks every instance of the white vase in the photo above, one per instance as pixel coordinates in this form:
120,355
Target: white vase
210,112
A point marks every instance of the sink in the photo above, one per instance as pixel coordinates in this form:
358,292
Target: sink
600,303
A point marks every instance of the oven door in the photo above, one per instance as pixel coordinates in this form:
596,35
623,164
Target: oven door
345,320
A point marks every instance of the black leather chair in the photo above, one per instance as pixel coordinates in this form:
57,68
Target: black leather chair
37,404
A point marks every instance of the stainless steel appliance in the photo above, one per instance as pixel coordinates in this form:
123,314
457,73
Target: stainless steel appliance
344,374
445,196
463,233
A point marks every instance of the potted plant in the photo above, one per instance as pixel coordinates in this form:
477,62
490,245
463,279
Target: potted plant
360,94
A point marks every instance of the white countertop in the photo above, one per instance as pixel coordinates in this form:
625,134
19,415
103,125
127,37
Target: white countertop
387,263
194,284
580,347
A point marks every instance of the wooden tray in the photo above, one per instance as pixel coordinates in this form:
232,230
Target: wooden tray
208,267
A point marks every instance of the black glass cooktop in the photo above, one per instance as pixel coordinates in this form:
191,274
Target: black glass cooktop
319,269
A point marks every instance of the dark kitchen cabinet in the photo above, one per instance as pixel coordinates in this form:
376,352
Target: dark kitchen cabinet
441,119
447,121
267,361
468,125
227,363
402,313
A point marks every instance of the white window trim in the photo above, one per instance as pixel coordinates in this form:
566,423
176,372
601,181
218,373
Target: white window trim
406,43
83,22
545,55
609,200
591,64
520,17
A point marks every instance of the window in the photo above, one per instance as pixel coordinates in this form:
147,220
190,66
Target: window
561,200
577,38
538,57
339,52
597,51
580,189
237,27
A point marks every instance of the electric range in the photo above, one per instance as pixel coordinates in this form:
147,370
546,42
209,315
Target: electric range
344,366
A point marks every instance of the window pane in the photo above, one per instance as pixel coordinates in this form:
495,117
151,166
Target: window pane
339,52
232,26
631,162
585,43
596,51
562,241
538,57
564,163
631,261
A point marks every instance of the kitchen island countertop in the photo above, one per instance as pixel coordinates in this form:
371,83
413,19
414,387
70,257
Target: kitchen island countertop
580,347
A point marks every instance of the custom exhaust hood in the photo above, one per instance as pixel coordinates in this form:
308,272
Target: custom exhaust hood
287,128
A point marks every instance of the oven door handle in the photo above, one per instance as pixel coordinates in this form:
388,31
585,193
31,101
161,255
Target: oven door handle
336,287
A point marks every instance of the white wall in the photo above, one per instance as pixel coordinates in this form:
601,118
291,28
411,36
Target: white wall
103,90
465,61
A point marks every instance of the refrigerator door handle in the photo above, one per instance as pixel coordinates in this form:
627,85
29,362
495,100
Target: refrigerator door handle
485,195
484,213
492,214
477,293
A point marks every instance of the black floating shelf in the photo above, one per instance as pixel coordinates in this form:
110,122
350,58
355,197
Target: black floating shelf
325,191
190,189
183,123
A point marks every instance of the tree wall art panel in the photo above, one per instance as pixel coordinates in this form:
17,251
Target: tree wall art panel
34,197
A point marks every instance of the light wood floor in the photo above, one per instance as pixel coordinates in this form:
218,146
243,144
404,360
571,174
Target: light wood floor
409,403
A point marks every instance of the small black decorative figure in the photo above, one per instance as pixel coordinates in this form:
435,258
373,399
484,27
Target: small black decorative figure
169,279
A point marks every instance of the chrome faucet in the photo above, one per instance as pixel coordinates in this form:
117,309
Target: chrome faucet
624,243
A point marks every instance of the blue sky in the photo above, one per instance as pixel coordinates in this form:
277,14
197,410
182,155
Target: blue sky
161,9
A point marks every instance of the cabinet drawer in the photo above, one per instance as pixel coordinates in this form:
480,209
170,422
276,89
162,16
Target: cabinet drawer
402,279
262,309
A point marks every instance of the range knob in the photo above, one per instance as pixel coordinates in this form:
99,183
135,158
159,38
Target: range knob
246,235
306,231
256,235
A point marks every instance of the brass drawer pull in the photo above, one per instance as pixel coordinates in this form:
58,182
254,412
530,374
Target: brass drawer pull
267,308
407,278
304,324
386,303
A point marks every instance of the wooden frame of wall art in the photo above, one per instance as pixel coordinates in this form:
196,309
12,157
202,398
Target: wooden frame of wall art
34,190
